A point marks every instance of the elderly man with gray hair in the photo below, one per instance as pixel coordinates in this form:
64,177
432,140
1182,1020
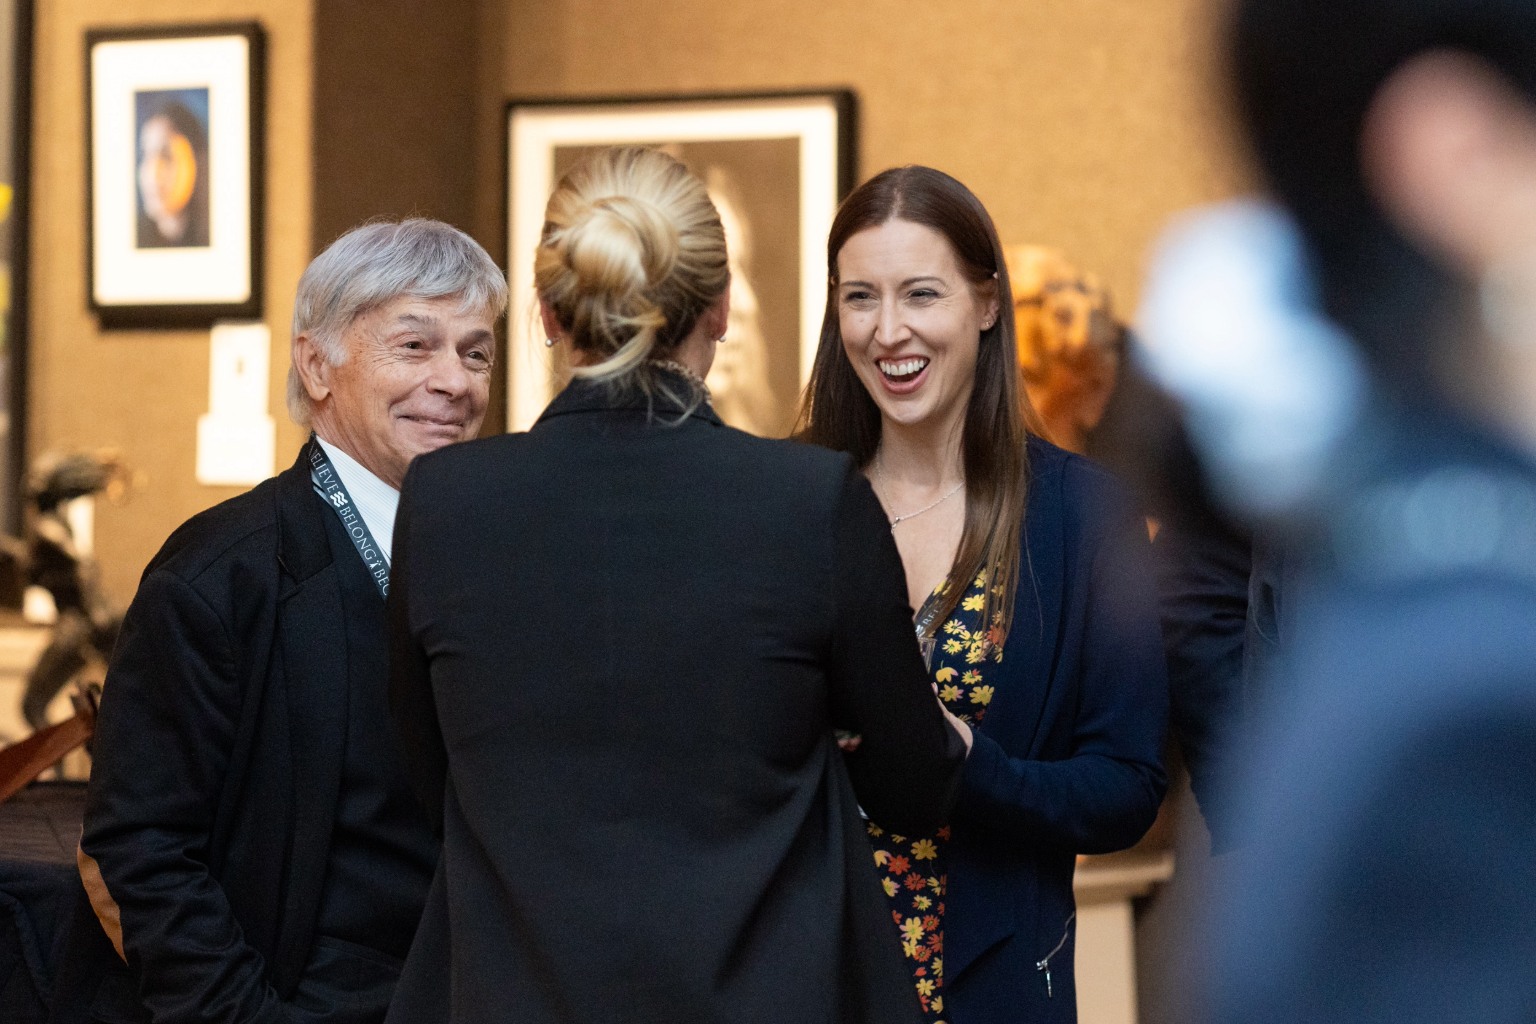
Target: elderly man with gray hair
252,850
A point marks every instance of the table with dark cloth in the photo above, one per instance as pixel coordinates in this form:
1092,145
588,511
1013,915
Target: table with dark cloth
39,830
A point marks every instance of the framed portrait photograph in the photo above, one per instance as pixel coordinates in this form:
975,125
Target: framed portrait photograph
776,167
174,151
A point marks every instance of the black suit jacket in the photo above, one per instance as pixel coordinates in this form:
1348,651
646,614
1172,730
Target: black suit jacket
218,760
1208,576
621,643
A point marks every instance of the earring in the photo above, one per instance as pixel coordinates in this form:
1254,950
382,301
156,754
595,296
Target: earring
719,339
549,342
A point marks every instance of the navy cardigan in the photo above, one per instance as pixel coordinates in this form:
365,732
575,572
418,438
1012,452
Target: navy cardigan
1068,759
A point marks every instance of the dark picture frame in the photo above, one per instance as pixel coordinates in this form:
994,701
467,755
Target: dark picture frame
175,146
777,165
15,173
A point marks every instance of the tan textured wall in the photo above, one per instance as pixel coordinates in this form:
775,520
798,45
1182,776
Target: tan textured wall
393,113
142,391
395,119
1080,123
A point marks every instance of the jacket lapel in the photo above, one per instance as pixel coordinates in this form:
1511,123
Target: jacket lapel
982,900
1028,669
313,645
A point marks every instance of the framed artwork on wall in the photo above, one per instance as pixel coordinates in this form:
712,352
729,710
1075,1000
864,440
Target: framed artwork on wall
776,166
15,159
174,143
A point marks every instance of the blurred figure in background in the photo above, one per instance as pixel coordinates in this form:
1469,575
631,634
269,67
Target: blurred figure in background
1071,356
1366,388
1068,342
87,622
739,385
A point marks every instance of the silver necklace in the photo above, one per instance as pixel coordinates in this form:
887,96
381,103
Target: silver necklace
926,508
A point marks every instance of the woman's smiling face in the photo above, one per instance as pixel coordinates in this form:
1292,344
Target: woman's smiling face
911,322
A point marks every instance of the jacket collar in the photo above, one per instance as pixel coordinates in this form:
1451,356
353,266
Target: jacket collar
302,547
584,396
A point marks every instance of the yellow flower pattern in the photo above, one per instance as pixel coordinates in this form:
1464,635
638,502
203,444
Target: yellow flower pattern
912,869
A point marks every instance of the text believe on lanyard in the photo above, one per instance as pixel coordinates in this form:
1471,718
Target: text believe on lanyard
328,483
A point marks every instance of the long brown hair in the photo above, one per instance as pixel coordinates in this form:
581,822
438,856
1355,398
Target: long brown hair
838,413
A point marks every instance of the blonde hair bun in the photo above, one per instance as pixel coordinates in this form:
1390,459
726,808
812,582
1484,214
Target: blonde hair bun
620,245
631,255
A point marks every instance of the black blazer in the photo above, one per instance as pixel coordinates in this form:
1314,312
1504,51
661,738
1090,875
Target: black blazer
218,759
621,643
1208,574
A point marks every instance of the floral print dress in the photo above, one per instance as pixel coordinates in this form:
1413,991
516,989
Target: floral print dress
912,868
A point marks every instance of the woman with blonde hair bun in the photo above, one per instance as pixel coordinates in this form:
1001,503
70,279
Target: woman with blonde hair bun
621,644
631,260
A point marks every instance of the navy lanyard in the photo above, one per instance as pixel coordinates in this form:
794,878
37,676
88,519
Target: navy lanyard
328,485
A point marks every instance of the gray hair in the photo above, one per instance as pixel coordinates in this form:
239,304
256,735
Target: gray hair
377,263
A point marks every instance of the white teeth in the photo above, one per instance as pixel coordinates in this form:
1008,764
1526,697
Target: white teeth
902,367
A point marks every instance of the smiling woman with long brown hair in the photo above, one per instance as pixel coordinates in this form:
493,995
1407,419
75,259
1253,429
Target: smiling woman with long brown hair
1027,569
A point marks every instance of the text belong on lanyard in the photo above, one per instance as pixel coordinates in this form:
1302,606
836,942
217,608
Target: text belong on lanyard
328,483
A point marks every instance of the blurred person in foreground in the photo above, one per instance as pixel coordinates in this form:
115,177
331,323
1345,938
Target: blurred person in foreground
1384,427
622,642
252,848
1028,569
